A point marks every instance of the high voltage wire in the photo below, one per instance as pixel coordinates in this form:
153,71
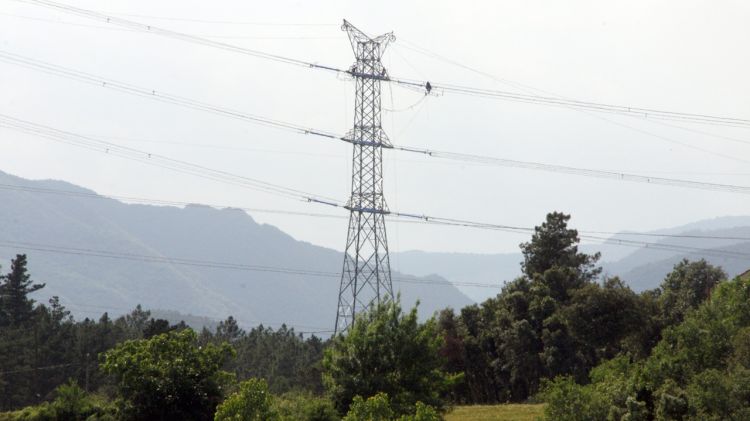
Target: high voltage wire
445,87
224,22
91,79
244,322
161,161
46,367
613,175
174,34
83,25
67,250
77,251
426,220
527,88
160,96
161,202
284,125
602,240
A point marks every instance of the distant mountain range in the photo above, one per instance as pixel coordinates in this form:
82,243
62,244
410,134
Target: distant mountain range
99,254
641,267
204,264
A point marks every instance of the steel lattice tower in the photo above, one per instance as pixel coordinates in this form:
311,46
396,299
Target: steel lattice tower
366,275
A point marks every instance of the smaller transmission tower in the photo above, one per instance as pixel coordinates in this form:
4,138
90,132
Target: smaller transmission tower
366,275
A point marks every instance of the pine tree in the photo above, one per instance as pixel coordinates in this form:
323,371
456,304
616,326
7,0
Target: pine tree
15,305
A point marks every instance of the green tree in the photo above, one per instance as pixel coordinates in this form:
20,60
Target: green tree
378,408
15,305
296,406
386,350
252,402
168,376
552,245
375,408
686,287
229,331
602,316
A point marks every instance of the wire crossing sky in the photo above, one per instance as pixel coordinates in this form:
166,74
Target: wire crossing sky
471,158
456,156
443,87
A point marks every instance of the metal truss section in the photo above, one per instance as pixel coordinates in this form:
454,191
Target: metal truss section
366,275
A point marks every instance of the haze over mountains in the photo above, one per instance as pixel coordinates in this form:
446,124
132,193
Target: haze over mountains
641,267
61,232
104,255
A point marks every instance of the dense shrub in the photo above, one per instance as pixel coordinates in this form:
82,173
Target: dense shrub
378,408
388,351
697,372
251,402
305,407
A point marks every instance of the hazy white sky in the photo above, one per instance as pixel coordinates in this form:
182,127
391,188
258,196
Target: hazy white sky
677,55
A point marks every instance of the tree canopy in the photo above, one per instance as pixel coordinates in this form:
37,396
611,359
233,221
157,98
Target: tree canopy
389,351
169,376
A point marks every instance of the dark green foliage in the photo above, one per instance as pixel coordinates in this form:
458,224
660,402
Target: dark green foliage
168,376
540,325
71,403
688,285
252,402
554,245
15,305
375,408
558,319
379,408
698,371
288,361
598,350
305,407
389,351
600,317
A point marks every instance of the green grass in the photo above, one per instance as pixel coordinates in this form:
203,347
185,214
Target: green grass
507,412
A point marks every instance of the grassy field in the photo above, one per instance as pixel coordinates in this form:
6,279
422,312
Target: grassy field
509,412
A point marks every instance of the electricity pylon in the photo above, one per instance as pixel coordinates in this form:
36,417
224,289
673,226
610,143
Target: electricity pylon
366,276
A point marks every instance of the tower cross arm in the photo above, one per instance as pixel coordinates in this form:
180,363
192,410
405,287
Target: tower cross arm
357,37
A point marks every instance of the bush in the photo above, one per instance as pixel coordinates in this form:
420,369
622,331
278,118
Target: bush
305,407
569,401
389,351
168,376
378,408
251,403
375,408
71,403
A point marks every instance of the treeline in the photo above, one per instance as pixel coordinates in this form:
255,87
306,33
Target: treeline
559,319
561,333
42,346
699,370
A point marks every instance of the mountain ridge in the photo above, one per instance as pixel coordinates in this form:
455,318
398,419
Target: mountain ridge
194,232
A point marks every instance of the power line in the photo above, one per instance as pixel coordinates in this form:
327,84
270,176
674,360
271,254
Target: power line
422,85
587,172
83,25
91,79
67,250
527,88
397,219
46,367
599,239
161,161
160,202
284,125
102,17
225,22
80,251
244,322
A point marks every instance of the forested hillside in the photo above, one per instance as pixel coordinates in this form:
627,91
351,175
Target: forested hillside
562,333
106,255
